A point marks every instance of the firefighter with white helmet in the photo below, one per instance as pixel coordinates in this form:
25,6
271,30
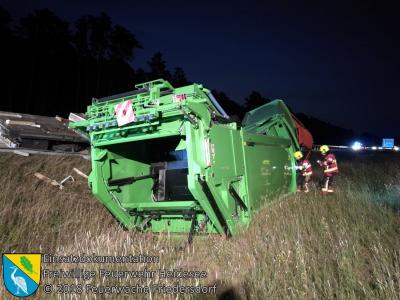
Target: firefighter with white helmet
304,168
330,168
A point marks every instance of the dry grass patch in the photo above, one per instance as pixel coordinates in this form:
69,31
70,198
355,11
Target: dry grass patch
303,247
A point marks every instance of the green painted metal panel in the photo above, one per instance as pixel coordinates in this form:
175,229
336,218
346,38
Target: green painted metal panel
182,165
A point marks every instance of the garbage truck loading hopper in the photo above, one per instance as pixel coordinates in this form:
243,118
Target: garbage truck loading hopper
181,165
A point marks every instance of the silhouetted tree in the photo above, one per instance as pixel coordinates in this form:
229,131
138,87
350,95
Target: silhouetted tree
254,100
96,35
81,36
141,76
231,107
45,32
325,133
179,78
158,67
104,50
122,44
98,42
8,53
46,51
5,20
100,28
54,68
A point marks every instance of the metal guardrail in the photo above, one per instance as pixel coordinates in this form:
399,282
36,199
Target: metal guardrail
333,147
362,148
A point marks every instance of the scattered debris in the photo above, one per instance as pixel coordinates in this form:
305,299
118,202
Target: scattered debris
22,123
84,155
5,142
74,117
9,114
48,180
22,153
52,181
39,132
79,172
66,179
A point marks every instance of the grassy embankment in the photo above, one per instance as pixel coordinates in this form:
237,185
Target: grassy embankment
306,246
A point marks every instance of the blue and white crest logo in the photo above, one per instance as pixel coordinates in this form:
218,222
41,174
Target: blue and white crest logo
21,273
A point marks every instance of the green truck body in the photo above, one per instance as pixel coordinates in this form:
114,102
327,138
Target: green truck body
182,165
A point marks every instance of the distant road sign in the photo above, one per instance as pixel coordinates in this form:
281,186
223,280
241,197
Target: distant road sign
388,143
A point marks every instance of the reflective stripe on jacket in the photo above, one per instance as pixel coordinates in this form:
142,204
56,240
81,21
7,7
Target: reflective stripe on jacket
305,168
330,165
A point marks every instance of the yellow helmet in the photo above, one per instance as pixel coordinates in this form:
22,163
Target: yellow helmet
298,155
324,149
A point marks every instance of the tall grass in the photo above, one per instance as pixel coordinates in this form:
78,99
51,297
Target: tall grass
344,246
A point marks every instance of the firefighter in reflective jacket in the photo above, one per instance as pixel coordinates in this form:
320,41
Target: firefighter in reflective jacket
330,168
304,169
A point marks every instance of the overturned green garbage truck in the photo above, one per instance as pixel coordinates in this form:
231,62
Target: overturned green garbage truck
170,159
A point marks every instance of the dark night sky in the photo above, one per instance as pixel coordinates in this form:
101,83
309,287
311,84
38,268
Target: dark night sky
330,59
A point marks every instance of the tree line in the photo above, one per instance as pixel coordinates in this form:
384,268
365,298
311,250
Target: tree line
52,67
